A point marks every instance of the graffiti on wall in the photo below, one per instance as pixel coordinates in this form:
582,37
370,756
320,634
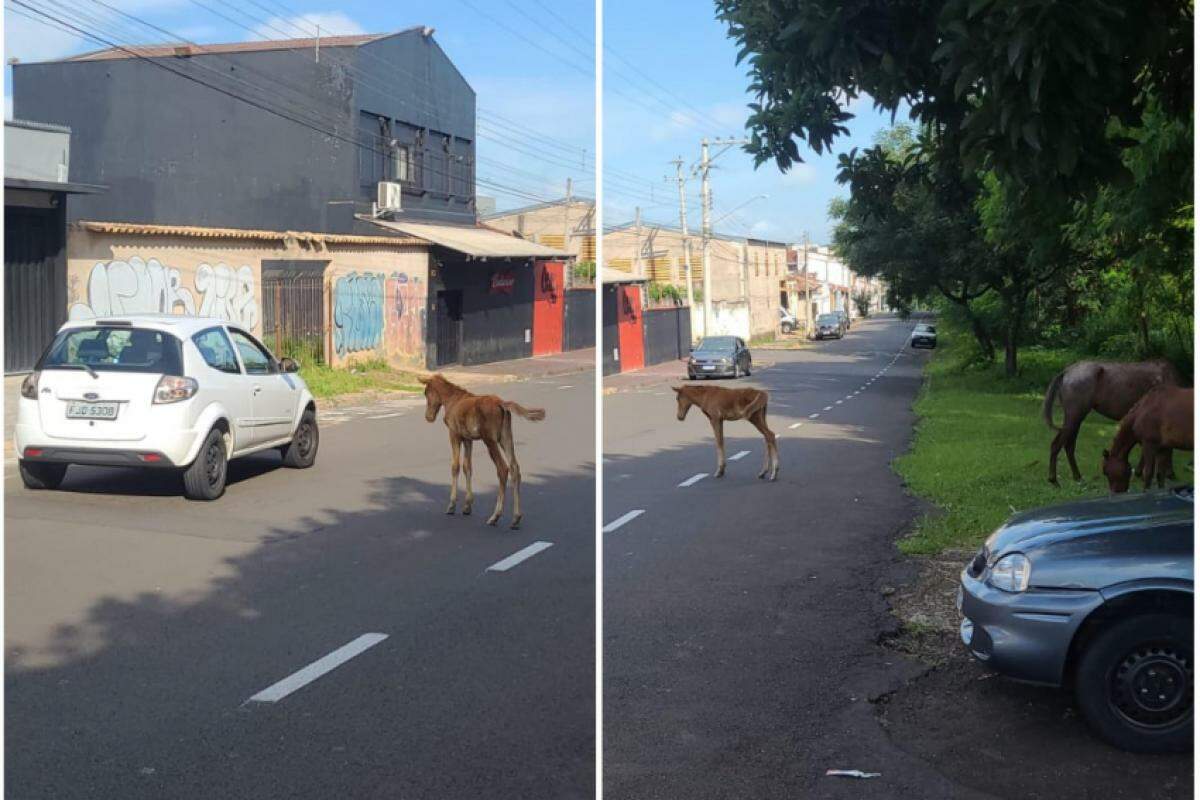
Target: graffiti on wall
406,313
147,286
358,306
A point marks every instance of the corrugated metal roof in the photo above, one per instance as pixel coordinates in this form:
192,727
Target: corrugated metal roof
142,229
188,49
478,241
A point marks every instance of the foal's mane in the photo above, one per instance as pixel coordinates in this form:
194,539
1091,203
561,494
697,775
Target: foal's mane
445,388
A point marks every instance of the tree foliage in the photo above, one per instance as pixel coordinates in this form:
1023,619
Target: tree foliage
1044,189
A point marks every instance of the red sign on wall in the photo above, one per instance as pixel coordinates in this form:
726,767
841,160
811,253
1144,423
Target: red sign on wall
503,282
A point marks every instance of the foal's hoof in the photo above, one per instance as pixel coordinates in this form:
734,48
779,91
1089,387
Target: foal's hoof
466,512
719,473
450,510
493,519
516,523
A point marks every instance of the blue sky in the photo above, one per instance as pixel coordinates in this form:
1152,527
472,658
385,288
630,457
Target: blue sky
683,48
528,82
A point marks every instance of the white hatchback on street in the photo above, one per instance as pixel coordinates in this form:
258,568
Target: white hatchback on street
162,392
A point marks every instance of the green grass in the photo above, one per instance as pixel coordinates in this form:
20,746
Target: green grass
981,449
325,381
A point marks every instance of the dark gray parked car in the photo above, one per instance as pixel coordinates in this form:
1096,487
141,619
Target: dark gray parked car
1095,595
723,356
829,326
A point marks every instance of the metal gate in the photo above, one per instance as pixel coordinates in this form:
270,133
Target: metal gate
294,309
35,283
449,327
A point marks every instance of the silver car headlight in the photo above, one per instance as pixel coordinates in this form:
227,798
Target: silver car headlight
1011,573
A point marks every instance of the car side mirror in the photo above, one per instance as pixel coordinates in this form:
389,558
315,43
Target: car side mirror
289,365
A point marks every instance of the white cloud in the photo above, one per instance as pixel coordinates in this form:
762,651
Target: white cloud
331,23
800,174
27,40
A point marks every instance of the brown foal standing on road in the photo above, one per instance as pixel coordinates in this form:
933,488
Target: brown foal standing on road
720,405
1161,420
469,417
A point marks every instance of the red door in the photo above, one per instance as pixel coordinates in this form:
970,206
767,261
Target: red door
547,307
629,327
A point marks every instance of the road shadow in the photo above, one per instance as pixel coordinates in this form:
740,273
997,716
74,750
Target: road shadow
142,697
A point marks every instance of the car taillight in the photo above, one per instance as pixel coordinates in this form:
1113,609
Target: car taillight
29,386
172,389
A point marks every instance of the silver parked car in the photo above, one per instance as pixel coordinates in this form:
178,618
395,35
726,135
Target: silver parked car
829,326
1095,595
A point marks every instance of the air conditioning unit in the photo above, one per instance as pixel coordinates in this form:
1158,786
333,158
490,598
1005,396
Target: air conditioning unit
390,196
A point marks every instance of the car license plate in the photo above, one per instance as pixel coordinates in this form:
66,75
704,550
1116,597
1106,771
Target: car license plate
92,410
709,368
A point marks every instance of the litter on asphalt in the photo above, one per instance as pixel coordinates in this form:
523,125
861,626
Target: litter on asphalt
851,773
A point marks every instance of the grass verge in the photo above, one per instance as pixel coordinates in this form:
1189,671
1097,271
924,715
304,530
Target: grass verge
325,381
981,450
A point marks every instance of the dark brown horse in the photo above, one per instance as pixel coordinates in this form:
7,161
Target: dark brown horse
1162,419
719,405
1109,388
469,417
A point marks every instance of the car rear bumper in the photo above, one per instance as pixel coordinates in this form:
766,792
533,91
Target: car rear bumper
930,343
97,457
1024,635
173,448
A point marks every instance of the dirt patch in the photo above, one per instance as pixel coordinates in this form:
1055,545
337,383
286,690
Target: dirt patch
992,734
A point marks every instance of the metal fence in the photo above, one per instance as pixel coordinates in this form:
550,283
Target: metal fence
294,312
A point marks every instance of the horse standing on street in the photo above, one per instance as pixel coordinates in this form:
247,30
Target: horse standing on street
719,405
469,417
1162,419
1109,388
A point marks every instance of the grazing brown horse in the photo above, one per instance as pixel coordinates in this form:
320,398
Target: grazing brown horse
1161,419
719,405
469,417
1109,388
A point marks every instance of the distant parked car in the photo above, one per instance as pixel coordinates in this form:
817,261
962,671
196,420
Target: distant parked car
829,326
845,318
160,392
787,321
1096,595
924,336
719,356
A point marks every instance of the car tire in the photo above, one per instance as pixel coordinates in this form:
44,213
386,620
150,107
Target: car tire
204,478
301,451
1145,654
41,476
747,369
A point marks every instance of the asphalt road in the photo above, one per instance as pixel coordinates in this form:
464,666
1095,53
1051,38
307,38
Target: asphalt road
741,616
140,625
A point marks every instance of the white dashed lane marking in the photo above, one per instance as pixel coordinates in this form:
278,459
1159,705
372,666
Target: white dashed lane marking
323,665
699,476
813,416
505,564
621,520
827,408
739,455
795,425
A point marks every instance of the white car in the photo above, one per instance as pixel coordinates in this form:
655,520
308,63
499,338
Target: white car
162,392
787,321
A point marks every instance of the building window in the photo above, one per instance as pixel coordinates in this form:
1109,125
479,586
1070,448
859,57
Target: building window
402,166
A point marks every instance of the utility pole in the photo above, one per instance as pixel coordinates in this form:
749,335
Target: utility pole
706,217
807,292
567,228
637,243
687,249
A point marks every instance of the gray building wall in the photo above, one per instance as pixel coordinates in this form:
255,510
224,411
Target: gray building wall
173,151
36,152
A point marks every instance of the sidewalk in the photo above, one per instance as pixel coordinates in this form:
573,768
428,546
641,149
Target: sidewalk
526,368
12,393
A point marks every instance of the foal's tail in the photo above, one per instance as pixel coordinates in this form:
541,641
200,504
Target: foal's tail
531,414
1052,391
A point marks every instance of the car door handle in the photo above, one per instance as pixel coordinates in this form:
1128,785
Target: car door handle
257,389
